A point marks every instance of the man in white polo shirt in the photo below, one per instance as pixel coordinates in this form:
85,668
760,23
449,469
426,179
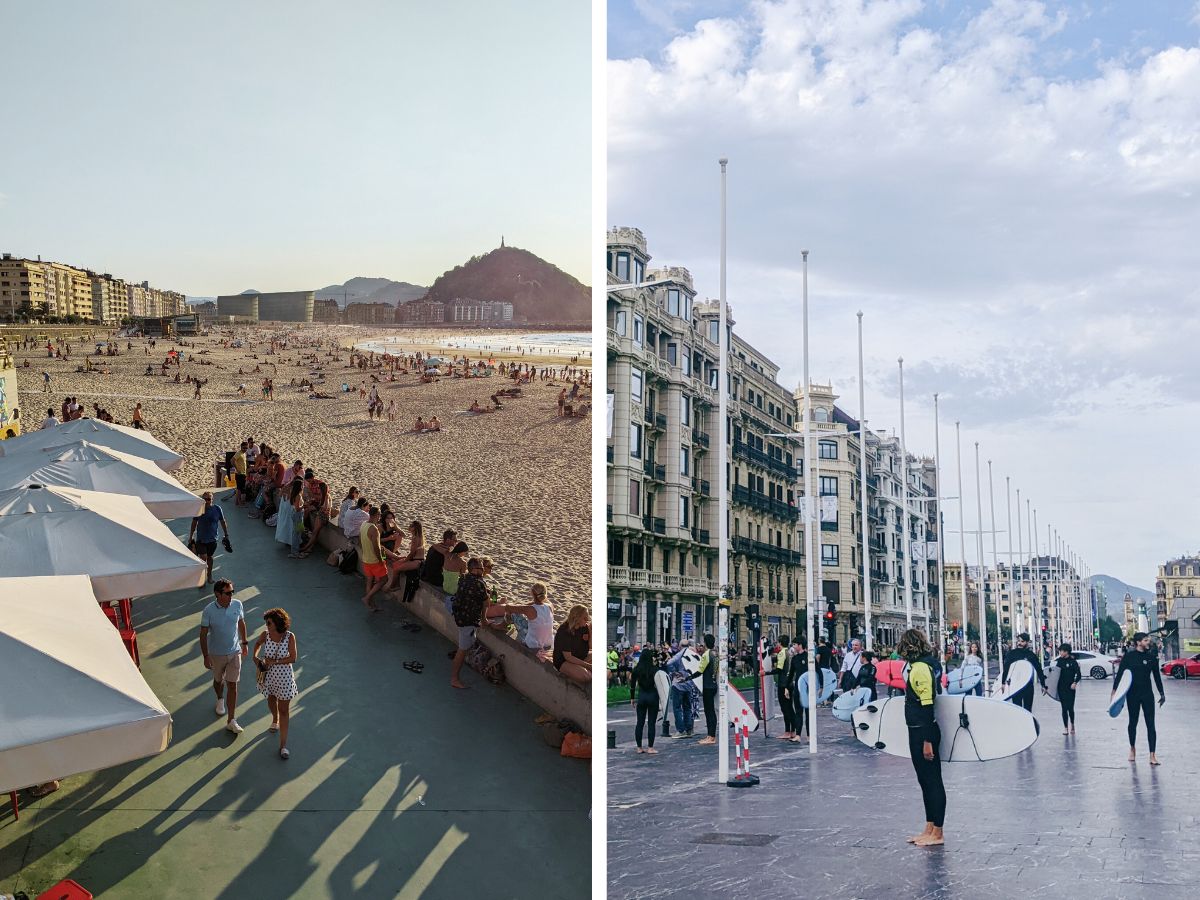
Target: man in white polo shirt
223,644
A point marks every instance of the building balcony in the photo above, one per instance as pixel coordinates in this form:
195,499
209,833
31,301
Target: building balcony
700,535
652,524
701,487
742,450
700,439
654,470
623,576
769,552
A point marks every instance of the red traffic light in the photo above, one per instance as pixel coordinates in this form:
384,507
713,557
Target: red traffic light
829,614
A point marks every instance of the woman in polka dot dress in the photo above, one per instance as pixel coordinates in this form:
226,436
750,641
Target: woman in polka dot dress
276,680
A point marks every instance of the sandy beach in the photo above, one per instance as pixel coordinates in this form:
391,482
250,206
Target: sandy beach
515,483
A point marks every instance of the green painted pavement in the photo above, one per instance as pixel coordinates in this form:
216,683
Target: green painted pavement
398,785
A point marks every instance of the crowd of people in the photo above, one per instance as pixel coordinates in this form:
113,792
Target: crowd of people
394,557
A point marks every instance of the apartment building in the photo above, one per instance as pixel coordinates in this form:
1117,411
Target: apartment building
330,313
369,314
421,312
110,298
1177,598
662,519
22,287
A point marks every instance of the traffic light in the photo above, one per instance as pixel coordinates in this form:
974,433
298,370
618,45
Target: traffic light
830,610
752,618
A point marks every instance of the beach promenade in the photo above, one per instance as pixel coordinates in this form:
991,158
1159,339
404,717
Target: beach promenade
1070,817
397,786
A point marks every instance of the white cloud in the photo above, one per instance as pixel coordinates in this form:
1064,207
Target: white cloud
1025,240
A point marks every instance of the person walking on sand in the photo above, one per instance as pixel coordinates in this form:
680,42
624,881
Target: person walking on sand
276,678
138,421
223,643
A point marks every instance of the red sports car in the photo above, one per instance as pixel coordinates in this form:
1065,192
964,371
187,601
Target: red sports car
1184,667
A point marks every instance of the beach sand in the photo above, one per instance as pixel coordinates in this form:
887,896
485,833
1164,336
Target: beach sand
516,483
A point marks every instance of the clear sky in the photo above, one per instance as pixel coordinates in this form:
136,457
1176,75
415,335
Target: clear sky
216,146
1009,190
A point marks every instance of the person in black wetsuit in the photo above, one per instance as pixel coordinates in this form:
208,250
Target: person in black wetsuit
783,663
1024,697
824,661
1142,663
924,737
1068,676
798,665
867,673
647,705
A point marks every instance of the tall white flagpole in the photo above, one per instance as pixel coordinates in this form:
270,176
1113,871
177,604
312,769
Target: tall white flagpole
1020,557
1042,614
962,536
906,540
723,349
983,641
862,489
941,524
812,544
1051,543
996,567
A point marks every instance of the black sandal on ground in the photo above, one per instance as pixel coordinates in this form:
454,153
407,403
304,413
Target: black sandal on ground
414,667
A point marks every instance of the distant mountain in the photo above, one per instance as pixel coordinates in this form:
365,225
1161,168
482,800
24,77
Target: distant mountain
541,293
1114,592
192,301
251,291
371,290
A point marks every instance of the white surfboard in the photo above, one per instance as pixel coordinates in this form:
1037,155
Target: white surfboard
963,679
662,683
845,705
739,709
974,729
1052,682
825,691
690,661
1020,674
1118,696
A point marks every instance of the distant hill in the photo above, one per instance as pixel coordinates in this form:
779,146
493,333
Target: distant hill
371,290
541,293
1114,591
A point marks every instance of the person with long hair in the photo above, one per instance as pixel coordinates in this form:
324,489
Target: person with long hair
974,657
411,564
924,737
573,646
1068,676
277,679
289,522
646,704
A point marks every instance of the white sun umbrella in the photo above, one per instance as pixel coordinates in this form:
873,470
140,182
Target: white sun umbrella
112,538
134,441
90,467
73,701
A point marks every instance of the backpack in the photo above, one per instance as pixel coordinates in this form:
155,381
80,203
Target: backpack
470,601
487,664
349,562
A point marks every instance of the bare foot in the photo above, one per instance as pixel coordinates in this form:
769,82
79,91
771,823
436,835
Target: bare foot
651,750
640,750
917,837
1072,729
459,685
1132,756
930,840
1154,760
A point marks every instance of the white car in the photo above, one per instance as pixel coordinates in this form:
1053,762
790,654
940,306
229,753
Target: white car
1096,665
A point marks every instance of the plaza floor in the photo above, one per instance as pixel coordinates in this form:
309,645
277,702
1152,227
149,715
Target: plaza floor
1070,817
398,785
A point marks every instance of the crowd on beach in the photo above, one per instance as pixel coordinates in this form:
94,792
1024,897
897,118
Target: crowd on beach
395,557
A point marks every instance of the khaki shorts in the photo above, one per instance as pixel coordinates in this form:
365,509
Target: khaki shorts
226,668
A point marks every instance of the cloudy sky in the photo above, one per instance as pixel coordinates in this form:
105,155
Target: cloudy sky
288,144
1009,191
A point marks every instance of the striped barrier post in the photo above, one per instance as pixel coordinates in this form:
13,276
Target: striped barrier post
743,719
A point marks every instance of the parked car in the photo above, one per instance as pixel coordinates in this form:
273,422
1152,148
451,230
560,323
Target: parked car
1184,667
1093,664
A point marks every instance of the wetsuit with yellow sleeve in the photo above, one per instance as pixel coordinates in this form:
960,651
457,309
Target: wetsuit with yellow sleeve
920,695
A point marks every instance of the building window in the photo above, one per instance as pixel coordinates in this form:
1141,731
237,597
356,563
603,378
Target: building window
685,409
673,301
686,361
622,271
713,330
635,440
684,461
639,271
683,512
637,330
829,554
635,498
829,485
687,308
820,414
673,354
620,323
635,389
825,449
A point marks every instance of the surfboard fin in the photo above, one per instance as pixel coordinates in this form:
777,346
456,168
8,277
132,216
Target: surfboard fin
863,726
879,745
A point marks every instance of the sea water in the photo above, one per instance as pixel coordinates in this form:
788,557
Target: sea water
561,343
